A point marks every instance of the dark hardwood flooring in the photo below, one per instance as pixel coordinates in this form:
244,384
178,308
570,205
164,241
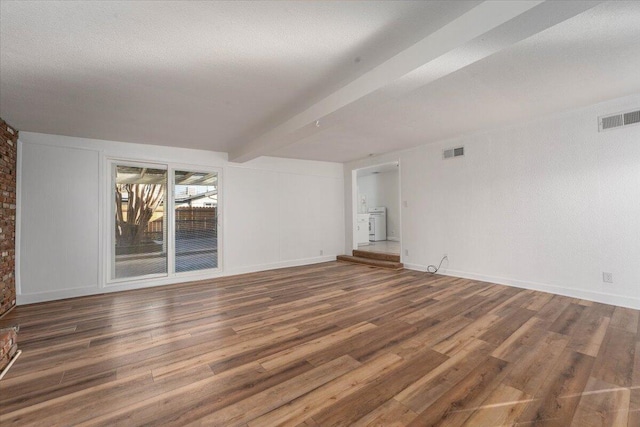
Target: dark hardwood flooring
324,345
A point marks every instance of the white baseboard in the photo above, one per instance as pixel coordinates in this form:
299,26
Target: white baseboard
113,287
22,299
282,264
415,267
605,298
149,283
601,297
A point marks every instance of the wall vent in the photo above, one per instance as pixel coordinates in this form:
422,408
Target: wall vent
453,152
618,120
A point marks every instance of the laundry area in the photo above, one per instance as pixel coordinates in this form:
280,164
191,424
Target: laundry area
377,225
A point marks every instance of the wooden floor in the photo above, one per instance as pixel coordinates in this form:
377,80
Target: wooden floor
322,345
384,246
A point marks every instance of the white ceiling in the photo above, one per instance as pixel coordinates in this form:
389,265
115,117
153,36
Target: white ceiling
234,76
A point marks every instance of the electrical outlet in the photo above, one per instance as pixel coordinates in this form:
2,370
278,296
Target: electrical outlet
607,277
406,252
321,252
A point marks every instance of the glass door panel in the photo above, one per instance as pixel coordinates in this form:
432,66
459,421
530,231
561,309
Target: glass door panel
140,235
196,225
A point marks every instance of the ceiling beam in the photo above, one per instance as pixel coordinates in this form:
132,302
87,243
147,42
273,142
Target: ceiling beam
484,30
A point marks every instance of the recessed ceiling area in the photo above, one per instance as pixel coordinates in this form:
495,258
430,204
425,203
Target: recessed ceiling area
252,78
373,170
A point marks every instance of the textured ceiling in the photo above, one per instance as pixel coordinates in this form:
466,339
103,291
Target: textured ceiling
215,75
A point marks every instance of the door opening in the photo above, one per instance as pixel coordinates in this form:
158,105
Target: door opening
376,218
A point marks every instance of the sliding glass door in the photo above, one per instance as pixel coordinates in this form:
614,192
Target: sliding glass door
195,209
140,228
165,221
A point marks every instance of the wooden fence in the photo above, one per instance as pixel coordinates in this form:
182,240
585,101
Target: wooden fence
189,220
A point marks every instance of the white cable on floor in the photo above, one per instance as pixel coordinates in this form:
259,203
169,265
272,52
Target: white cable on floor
433,269
6,369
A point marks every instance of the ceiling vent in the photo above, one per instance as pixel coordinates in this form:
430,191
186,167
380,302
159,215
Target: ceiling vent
453,152
618,120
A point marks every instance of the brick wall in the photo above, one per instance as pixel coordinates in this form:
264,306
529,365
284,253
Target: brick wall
8,155
8,345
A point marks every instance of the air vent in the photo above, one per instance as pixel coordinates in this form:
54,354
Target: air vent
453,152
618,120
632,117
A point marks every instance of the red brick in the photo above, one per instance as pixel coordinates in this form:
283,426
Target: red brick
8,155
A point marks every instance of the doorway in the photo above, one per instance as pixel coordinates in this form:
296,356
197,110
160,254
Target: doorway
377,219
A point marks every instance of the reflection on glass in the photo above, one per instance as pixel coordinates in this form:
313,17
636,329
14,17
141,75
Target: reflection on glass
196,230
140,222
195,210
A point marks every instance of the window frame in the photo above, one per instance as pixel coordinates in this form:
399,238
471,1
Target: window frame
172,219
109,223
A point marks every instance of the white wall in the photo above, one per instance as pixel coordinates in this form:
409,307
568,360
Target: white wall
383,190
275,213
389,196
59,218
367,193
281,210
546,205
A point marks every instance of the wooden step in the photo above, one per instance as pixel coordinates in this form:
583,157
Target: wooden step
377,255
372,262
